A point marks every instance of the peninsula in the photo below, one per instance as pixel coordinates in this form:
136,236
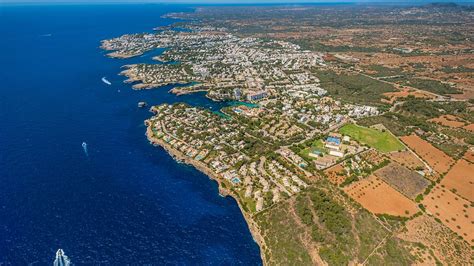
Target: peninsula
328,164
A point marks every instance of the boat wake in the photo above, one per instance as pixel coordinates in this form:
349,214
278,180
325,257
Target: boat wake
106,81
61,259
84,147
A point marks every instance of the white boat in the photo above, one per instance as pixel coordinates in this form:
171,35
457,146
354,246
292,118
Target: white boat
106,81
84,147
61,259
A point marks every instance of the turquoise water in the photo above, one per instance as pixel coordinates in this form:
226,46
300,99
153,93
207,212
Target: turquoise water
127,202
250,105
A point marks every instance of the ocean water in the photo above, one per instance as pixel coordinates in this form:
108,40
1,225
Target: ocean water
127,202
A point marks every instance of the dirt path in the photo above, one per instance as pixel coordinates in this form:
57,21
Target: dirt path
312,249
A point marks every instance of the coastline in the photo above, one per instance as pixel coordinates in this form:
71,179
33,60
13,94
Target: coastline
178,155
131,78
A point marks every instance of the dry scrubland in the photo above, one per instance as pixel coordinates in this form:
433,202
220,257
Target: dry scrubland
323,225
407,159
446,246
408,182
403,93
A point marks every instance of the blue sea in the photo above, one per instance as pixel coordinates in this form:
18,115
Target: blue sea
126,202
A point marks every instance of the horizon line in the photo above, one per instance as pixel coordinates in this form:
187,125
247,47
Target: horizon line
236,2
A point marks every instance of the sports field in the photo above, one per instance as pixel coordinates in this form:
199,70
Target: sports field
382,141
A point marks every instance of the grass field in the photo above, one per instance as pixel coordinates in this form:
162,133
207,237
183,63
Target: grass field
316,145
382,141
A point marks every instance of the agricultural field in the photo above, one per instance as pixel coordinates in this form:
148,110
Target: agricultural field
437,159
469,156
448,121
378,197
336,174
446,246
460,179
470,127
392,97
378,139
452,210
407,159
406,181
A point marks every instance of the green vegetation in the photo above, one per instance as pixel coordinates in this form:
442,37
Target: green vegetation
316,145
454,150
398,124
334,217
313,45
303,211
425,109
321,215
392,253
415,113
431,86
282,237
247,203
358,88
459,69
419,198
382,71
382,141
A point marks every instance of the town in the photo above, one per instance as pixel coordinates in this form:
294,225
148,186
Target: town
296,124
279,103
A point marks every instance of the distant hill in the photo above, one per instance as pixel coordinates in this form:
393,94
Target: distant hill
440,4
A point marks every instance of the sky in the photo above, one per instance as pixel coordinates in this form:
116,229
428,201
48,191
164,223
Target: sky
230,1
196,2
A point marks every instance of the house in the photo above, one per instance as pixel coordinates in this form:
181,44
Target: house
336,153
315,154
255,96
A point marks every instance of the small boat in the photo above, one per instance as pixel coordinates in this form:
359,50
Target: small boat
84,147
61,259
142,104
106,81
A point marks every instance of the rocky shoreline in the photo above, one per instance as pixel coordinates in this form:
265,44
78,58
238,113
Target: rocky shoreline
131,78
179,156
